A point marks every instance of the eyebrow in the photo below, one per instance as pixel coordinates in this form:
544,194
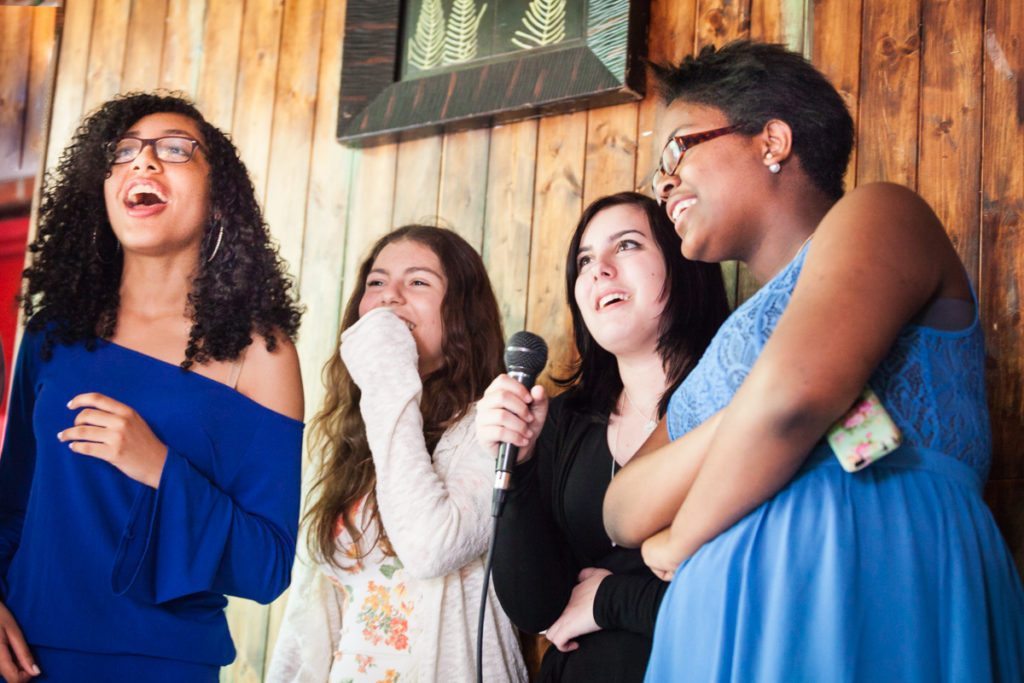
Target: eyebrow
612,238
413,269
169,131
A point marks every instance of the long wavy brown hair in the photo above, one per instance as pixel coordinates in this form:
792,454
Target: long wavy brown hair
471,346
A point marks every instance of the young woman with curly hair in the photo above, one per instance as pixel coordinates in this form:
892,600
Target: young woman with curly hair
146,471
400,519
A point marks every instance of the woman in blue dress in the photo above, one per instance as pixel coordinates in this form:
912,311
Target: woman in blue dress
785,567
147,471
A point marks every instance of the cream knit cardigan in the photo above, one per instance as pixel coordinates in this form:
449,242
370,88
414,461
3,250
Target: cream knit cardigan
437,517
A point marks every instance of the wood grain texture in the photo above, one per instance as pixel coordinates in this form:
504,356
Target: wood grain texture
509,216
610,164
106,51
1002,225
417,181
142,57
949,162
42,65
557,202
292,134
218,70
836,53
371,194
69,90
15,49
257,80
889,93
183,43
462,194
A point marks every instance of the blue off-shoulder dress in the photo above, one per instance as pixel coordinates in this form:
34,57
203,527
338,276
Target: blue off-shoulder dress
895,573
110,579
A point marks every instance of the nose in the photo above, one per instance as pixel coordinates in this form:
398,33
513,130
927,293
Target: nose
391,295
147,159
603,268
663,185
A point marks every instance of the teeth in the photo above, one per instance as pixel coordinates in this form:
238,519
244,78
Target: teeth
409,324
611,298
682,206
146,188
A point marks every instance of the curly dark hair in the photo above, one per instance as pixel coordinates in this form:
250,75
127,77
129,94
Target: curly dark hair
71,288
471,347
752,83
695,307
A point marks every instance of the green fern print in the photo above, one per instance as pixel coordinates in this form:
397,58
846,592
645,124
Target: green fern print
427,47
460,40
544,22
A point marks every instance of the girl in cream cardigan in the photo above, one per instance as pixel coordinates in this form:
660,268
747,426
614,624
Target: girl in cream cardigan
399,525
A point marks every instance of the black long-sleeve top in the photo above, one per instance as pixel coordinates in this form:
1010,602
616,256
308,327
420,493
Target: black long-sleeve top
551,529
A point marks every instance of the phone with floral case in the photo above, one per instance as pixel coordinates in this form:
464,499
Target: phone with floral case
864,434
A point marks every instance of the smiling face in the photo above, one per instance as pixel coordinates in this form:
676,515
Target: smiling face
156,207
708,197
621,281
408,278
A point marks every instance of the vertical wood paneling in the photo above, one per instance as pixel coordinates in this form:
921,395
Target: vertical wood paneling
183,43
889,89
417,181
670,38
257,77
557,202
611,151
268,71
949,166
371,193
142,59
15,48
837,54
69,91
506,249
462,194
40,79
291,140
106,53
218,70
1002,216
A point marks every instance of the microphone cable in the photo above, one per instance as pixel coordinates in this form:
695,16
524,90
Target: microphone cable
483,603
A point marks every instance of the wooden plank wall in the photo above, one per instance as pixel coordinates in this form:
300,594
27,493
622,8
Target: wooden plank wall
934,86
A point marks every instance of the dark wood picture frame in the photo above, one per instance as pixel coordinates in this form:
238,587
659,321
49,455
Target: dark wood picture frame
375,106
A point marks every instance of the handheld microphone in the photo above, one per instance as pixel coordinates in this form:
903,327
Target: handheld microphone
526,354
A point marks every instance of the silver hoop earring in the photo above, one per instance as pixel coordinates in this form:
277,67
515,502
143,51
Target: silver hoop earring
216,247
775,167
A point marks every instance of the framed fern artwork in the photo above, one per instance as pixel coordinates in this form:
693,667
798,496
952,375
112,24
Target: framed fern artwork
413,68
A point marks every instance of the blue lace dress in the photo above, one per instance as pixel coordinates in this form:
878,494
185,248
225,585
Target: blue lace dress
896,573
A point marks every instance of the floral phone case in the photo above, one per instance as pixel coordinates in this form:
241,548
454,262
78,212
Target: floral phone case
864,434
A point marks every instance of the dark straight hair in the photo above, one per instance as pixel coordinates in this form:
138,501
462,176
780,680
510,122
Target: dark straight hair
695,307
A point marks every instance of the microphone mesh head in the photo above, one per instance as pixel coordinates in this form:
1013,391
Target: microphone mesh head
526,353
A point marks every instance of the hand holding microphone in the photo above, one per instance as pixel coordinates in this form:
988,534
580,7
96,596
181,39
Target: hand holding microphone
512,411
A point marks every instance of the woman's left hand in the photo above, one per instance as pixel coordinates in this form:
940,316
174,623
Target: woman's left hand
577,619
660,555
111,431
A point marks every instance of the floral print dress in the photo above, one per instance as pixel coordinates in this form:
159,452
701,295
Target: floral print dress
374,644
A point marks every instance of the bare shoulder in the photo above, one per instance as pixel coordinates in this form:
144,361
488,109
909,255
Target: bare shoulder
272,378
888,211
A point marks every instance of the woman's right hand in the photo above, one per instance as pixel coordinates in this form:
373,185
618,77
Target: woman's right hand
16,663
508,413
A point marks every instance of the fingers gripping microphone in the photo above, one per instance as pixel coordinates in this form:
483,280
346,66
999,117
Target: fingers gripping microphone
525,357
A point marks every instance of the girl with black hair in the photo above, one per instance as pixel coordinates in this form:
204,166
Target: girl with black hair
784,566
147,471
642,317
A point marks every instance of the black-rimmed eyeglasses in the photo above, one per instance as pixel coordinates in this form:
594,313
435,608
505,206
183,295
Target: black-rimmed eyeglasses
174,149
